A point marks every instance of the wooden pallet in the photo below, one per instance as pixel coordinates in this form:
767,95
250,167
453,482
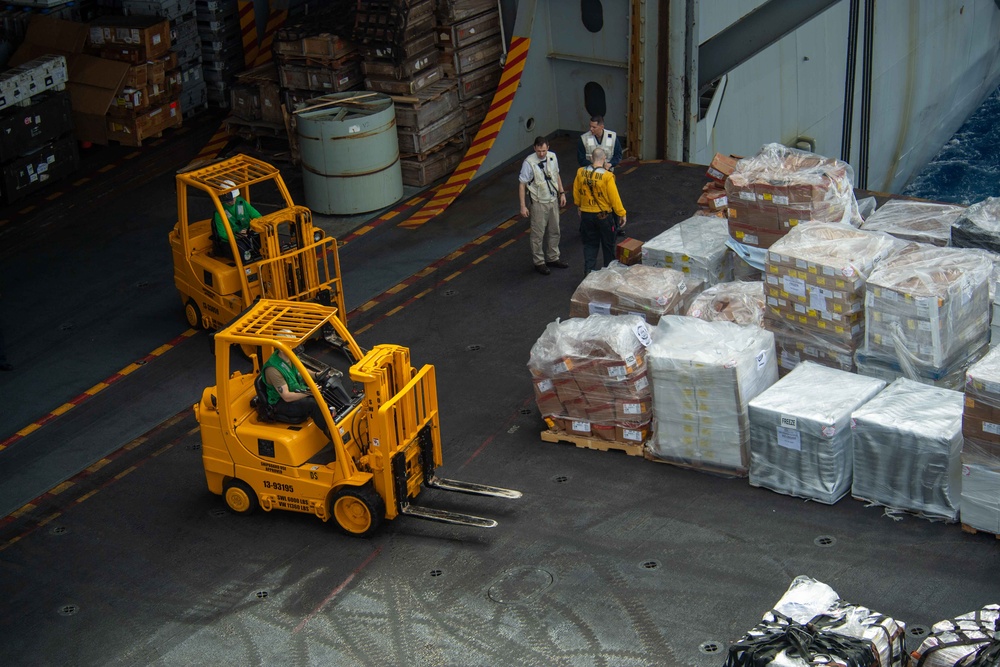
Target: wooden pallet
592,443
966,528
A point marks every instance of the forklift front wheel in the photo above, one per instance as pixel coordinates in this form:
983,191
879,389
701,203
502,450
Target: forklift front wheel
240,498
358,510
192,314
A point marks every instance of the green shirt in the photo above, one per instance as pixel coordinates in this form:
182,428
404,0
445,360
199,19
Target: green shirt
238,215
288,372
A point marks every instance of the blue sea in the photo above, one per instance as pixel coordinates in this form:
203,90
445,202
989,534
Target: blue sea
967,169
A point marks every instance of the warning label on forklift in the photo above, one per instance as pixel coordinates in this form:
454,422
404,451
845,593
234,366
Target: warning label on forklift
297,504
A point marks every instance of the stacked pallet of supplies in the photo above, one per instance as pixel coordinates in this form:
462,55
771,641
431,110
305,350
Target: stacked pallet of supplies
981,450
647,291
918,221
695,247
966,639
800,432
37,144
812,625
590,378
184,43
471,38
148,100
927,313
713,197
780,187
979,227
907,447
815,283
740,302
256,100
704,375
221,47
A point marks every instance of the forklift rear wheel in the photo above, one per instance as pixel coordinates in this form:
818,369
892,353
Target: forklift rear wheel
358,510
240,498
193,314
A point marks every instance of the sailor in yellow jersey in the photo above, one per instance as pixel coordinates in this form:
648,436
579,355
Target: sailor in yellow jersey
596,195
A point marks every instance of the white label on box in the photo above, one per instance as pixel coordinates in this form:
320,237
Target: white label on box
157,38
761,359
789,438
43,167
789,422
991,428
581,427
629,434
795,286
848,271
561,367
750,239
616,371
641,332
780,199
597,308
747,196
632,408
545,385
641,383
630,360
817,300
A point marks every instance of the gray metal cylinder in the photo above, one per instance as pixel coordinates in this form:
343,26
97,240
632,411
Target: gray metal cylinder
350,153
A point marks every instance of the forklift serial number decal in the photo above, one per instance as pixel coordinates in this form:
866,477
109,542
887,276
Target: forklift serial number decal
278,486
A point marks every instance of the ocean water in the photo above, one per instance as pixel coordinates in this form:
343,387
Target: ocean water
967,169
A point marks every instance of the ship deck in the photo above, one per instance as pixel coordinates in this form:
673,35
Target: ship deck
113,551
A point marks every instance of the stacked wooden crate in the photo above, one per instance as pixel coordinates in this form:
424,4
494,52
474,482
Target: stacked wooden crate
314,58
472,47
221,47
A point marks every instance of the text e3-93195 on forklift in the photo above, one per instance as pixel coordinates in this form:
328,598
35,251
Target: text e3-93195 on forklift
227,254
385,439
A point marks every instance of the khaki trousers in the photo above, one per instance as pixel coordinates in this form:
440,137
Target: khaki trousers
544,231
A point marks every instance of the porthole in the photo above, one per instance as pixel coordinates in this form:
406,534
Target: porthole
592,13
594,100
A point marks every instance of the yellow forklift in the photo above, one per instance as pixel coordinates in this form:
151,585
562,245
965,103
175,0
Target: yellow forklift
216,277
386,439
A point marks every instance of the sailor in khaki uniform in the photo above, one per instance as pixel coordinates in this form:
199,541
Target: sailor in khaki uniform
598,137
540,178
596,194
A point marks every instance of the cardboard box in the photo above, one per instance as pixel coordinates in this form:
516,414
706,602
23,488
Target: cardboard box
721,167
753,236
141,37
629,251
631,433
133,130
982,430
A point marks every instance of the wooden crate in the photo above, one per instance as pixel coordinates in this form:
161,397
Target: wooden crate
401,51
320,79
406,86
465,60
404,70
419,172
469,31
427,106
424,139
593,443
452,11
475,109
480,82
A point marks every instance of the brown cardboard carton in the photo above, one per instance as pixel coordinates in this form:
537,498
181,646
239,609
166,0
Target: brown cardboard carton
753,236
629,251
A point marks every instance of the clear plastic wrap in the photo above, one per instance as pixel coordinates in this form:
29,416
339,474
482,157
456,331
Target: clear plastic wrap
980,506
703,376
816,276
967,640
648,291
739,302
920,221
780,187
696,247
978,226
928,307
590,377
794,344
981,419
907,449
811,616
951,376
800,435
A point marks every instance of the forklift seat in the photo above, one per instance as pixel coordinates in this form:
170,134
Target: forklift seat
265,411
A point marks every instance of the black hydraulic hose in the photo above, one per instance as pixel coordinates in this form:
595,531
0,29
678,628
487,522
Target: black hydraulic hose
852,63
866,93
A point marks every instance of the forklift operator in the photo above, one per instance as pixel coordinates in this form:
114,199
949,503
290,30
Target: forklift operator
239,213
287,391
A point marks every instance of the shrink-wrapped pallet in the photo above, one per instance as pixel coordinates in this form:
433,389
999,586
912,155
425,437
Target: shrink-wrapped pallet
969,640
978,226
920,221
695,247
794,344
781,187
980,504
810,617
590,377
951,376
928,307
739,302
703,376
800,435
648,291
981,449
907,449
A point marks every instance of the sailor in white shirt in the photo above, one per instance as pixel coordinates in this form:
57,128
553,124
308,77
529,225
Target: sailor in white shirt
598,136
540,179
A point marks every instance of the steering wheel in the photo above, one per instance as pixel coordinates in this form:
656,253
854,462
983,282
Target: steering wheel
324,374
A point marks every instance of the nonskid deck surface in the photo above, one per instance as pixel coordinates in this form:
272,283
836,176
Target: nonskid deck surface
607,559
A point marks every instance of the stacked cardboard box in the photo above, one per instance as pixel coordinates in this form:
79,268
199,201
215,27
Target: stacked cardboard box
981,449
695,247
815,283
590,378
800,432
221,47
780,187
907,444
920,221
470,36
701,392
739,302
647,291
927,311
978,226
713,197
